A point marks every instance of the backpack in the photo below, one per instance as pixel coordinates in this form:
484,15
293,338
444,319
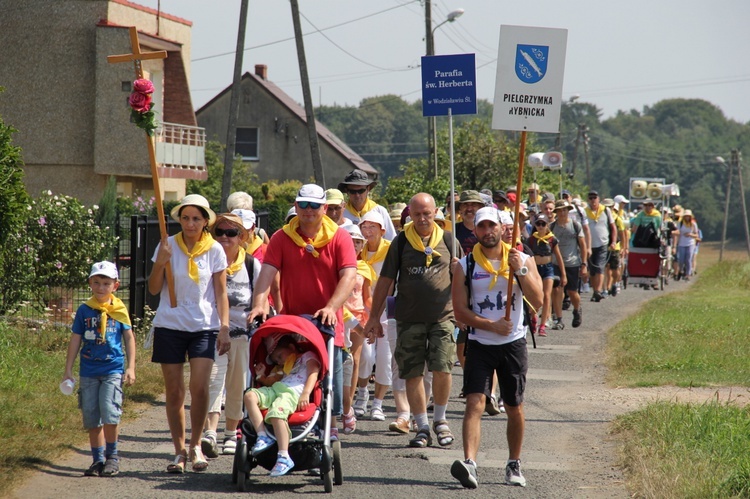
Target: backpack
646,236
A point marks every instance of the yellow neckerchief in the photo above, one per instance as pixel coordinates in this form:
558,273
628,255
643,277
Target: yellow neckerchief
289,363
651,213
369,205
202,246
379,254
542,239
486,264
254,244
595,216
365,270
114,308
416,240
325,234
238,263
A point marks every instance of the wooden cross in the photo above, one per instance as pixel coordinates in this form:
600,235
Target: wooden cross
137,56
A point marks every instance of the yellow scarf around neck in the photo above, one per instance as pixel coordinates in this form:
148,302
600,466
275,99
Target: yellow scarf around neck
369,205
651,213
323,237
379,254
595,216
114,308
202,246
365,270
253,245
416,240
289,363
236,266
543,239
486,264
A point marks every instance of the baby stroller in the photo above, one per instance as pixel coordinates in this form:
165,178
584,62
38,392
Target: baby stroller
644,268
310,446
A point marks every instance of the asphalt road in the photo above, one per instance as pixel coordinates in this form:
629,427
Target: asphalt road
567,451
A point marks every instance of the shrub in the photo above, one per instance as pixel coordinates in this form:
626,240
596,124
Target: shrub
66,240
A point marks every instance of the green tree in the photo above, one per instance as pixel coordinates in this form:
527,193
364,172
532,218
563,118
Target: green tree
243,179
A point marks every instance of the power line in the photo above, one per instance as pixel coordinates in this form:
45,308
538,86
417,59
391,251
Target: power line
305,34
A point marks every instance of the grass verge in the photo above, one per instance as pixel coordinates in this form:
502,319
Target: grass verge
695,338
37,422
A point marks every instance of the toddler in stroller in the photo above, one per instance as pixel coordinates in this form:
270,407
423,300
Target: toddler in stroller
286,389
290,375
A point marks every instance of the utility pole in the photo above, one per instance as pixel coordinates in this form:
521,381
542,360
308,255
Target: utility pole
585,135
234,109
575,152
737,160
726,205
312,133
431,121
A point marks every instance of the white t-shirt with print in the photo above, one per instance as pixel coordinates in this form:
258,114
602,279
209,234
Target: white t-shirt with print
297,378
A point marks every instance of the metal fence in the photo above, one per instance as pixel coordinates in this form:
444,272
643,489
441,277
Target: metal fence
137,236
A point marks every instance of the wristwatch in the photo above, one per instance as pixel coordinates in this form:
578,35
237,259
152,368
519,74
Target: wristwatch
522,271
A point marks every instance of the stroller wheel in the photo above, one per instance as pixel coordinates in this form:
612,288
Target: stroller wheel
338,472
239,465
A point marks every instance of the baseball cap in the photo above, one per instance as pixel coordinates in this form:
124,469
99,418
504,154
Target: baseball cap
541,218
334,196
594,193
107,269
311,193
621,199
247,217
487,213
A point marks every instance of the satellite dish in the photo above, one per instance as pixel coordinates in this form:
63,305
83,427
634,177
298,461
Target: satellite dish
552,160
535,159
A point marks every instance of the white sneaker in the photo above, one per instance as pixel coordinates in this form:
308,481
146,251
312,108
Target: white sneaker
376,414
513,475
360,405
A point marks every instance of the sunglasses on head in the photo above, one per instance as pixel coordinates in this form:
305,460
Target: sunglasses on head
357,191
226,232
305,204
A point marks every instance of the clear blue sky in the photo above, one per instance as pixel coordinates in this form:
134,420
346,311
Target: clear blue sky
620,55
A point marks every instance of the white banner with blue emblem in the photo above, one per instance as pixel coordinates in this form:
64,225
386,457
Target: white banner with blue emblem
528,86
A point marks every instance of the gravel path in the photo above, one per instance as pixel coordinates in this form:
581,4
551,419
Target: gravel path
567,451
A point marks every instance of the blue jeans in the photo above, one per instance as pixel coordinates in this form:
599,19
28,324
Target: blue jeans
685,259
338,382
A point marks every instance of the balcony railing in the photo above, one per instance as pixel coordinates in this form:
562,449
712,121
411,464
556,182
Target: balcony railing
181,146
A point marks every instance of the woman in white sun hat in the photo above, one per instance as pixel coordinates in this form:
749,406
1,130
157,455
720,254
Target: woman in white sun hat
196,327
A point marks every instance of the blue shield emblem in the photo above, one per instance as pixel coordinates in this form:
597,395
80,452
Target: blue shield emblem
531,62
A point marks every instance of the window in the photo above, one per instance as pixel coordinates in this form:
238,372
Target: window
247,143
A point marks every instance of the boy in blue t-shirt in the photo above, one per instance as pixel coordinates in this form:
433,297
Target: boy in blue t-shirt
100,328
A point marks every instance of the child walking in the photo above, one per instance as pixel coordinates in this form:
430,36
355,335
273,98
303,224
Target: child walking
285,392
100,330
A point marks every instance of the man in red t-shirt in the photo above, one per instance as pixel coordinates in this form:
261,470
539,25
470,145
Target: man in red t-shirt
317,265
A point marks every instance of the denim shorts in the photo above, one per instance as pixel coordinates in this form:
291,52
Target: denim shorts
100,400
546,271
171,345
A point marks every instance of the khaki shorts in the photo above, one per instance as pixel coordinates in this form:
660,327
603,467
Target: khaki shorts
419,342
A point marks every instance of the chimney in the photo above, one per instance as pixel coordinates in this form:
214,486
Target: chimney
262,71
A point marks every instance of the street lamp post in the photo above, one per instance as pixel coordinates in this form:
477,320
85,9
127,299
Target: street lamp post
430,40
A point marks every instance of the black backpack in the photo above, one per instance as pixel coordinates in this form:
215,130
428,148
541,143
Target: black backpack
646,236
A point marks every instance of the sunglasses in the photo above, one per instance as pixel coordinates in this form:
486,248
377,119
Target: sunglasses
357,191
227,232
593,197
303,205
541,224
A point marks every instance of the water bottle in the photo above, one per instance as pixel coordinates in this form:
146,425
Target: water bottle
67,386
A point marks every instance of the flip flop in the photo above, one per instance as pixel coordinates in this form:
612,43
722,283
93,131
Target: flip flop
177,466
196,457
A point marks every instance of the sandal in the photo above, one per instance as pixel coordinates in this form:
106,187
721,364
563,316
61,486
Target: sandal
443,433
177,466
422,438
196,457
